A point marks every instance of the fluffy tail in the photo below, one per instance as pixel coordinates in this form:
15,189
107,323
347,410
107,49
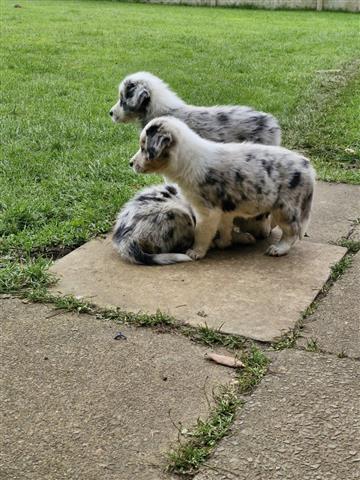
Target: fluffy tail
135,254
305,214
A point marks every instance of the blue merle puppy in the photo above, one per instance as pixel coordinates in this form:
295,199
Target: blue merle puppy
156,227
143,96
224,181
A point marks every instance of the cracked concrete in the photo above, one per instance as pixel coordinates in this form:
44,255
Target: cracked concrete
302,422
335,325
335,207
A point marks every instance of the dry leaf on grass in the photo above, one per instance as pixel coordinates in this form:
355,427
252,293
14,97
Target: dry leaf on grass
224,360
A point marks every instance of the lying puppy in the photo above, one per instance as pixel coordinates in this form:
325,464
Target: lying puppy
157,227
144,96
224,181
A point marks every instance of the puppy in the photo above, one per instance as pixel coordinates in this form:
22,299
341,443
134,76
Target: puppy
224,181
156,227
143,96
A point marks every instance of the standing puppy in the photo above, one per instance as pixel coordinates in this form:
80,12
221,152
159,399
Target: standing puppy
143,96
224,181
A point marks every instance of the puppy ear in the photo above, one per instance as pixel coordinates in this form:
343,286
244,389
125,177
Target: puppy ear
165,140
143,98
157,142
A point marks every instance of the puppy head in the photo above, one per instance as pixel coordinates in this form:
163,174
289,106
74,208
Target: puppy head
134,97
156,144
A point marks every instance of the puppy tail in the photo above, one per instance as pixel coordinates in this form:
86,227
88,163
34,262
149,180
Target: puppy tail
135,254
305,214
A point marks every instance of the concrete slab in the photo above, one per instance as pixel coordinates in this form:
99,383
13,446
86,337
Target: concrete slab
336,205
302,422
336,323
247,292
355,233
76,404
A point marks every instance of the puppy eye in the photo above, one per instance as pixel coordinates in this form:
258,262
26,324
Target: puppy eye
142,148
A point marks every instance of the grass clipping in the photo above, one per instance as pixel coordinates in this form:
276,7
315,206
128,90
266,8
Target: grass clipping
196,445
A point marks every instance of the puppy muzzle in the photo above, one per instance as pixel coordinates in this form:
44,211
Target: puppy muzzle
136,163
116,113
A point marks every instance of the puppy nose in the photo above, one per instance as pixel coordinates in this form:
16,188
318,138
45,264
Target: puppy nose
131,163
111,113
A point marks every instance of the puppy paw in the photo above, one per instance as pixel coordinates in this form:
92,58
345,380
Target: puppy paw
195,254
242,237
276,251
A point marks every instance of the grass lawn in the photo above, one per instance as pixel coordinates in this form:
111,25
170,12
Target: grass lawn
63,169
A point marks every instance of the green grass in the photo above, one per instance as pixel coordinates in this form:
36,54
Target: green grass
353,246
214,337
339,268
287,341
188,456
64,166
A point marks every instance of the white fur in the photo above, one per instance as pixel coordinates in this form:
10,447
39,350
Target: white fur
224,181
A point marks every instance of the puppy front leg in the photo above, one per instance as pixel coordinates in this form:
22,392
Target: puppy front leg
207,222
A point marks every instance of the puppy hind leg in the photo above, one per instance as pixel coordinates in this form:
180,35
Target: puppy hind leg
288,238
230,234
207,223
242,238
287,218
262,226
245,231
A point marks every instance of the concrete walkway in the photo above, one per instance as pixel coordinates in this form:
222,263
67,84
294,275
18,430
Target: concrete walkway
302,423
77,404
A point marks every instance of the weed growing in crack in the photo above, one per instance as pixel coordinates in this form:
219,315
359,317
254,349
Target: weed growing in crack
256,365
312,345
353,246
214,337
196,445
289,339
342,354
202,334
340,267
286,341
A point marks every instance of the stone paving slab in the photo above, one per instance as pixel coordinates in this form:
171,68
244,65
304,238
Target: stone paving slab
335,207
335,325
301,423
76,404
244,290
